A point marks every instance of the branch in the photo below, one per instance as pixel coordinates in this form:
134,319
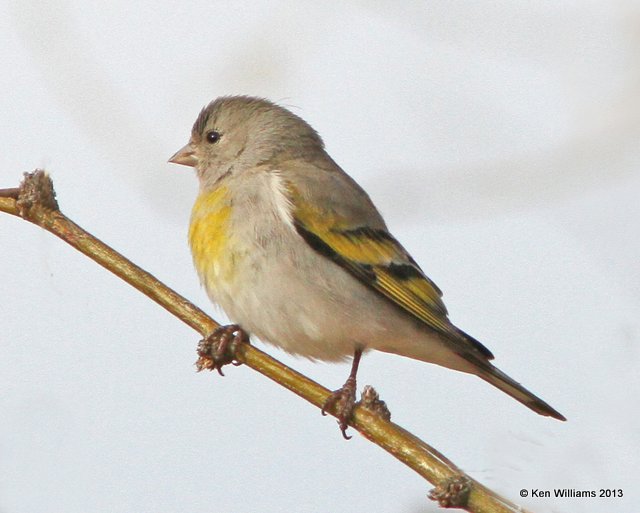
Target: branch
35,202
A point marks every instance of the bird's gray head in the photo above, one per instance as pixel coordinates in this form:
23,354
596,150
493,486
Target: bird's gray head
237,133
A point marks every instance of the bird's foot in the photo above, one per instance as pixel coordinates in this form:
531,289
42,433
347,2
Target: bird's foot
342,402
218,348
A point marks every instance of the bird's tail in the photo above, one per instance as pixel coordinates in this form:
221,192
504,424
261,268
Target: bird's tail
500,380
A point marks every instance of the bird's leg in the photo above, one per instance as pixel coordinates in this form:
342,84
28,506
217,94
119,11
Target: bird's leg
218,348
343,400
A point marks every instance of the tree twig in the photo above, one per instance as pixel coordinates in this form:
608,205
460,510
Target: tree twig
35,201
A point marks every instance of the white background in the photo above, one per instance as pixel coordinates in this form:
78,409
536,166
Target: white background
499,139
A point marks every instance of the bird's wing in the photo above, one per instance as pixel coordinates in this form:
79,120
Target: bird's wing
338,220
379,261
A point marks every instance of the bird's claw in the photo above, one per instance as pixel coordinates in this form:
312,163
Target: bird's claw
218,348
343,403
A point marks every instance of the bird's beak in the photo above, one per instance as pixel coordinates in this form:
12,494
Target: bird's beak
185,156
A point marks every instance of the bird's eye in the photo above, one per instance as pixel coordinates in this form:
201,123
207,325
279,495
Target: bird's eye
213,136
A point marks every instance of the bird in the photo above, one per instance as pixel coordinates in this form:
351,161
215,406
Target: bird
297,255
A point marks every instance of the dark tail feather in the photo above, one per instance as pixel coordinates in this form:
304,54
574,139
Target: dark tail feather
500,380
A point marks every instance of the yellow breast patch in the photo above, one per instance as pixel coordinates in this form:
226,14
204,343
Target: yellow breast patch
209,234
